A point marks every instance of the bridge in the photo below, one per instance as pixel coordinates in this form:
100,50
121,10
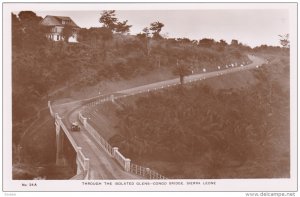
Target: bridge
95,157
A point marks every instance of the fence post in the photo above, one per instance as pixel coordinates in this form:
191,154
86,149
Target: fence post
112,98
86,164
84,121
127,165
86,167
148,172
115,149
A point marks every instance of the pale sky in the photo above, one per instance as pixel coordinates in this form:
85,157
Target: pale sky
251,27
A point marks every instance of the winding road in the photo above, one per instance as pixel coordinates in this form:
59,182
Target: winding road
103,166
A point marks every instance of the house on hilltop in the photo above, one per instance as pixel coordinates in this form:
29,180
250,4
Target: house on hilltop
57,24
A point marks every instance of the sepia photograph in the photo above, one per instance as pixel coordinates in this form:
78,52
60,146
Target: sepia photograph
152,97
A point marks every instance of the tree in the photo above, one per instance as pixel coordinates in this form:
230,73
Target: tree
122,27
145,37
206,42
109,20
234,42
146,31
67,32
33,34
182,71
29,18
156,27
284,40
184,40
223,43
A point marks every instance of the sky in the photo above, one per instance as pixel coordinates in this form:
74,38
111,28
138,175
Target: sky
251,27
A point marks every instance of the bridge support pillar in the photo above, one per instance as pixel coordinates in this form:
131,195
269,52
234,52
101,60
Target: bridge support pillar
60,160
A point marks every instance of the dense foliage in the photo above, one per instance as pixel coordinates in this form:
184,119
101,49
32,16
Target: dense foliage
217,131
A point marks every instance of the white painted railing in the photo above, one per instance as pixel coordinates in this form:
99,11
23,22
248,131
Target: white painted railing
66,131
145,172
84,162
98,138
50,108
124,162
113,152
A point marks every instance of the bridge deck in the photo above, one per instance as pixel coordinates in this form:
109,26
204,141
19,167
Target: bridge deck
102,166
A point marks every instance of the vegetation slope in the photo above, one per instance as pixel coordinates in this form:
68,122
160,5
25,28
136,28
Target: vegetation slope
212,130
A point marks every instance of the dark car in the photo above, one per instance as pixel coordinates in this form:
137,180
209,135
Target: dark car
75,126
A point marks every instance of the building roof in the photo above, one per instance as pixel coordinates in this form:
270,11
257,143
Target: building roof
58,21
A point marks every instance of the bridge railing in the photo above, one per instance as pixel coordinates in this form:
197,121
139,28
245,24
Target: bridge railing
98,138
145,172
82,119
84,161
66,131
80,157
115,153
50,108
123,161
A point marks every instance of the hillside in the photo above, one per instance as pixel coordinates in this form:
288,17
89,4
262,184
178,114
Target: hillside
234,126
